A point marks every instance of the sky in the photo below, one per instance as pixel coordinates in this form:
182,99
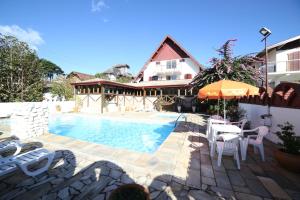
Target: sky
91,35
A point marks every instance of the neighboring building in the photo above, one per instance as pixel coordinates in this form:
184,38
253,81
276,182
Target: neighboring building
78,76
283,61
117,71
169,62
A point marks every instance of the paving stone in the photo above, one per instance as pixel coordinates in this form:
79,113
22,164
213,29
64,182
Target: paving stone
236,178
244,196
73,191
49,196
176,186
194,179
77,185
220,192
154,194
293,194
29,181
158,185
194,164
115,174
222,180
99,197
276,191
206,170
110,188
125,179
257,188
64,193
208,180
229,164
241,189
199,195
162,196
57,181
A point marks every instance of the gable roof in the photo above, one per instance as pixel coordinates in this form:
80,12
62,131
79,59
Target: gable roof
281,44
81,76
176,51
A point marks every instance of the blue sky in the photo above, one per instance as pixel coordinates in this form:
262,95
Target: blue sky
91,35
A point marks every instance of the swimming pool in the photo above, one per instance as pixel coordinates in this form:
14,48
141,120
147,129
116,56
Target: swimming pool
138,136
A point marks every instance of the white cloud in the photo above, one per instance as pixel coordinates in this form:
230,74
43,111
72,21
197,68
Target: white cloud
98,5
105,20
30,36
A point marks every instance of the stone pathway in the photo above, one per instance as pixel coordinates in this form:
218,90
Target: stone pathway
180,169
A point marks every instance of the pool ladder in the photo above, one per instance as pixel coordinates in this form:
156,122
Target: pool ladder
182,114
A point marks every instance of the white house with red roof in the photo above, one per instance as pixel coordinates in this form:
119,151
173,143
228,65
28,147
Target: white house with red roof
170,61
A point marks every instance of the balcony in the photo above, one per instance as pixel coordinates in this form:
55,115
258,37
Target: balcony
163,70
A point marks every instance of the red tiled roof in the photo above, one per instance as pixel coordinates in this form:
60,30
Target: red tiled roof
81,76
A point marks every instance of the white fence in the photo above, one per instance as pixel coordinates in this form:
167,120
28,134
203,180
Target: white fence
6,109
280,115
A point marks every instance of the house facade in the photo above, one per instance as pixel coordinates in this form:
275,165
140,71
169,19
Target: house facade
283,61
170,61
162,83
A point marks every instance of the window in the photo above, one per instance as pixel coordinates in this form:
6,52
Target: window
154,78
157,63
171,64
182,60
172,77
293,63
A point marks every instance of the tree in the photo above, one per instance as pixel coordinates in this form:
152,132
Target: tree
49,69
102,76
240,68
62,87
20,74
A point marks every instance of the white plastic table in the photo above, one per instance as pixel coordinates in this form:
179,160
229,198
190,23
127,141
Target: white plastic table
217,128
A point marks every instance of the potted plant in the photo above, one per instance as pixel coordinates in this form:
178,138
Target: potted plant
289,155
130,192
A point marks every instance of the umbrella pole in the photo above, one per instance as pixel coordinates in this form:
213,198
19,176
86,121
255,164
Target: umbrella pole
218,107
224,109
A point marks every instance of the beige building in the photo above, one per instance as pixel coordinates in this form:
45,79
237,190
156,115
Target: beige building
283,61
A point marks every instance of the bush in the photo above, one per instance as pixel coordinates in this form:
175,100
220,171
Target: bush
290,142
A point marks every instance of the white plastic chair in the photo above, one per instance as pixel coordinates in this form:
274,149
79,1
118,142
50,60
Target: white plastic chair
229,146
210,122
24,160
9,145
240,123
256,140
218,117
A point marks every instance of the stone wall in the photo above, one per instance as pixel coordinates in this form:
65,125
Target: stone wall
29,120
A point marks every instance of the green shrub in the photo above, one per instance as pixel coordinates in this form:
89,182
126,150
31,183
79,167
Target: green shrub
290,142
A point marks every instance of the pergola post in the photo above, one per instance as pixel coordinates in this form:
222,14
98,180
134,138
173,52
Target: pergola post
185,92
102,98
178,92
144,98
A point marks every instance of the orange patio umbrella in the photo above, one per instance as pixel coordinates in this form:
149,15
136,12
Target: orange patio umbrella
226,89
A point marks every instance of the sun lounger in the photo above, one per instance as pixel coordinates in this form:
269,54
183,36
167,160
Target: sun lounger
24,160
9,145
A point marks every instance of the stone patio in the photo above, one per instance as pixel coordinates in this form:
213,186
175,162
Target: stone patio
180,169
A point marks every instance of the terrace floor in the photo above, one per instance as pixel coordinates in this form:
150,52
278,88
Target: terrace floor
180,169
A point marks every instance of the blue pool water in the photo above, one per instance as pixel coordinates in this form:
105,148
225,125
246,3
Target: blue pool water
136,136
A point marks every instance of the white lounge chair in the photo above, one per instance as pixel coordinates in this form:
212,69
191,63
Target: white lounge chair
256,140
24,160
229,146
9,145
